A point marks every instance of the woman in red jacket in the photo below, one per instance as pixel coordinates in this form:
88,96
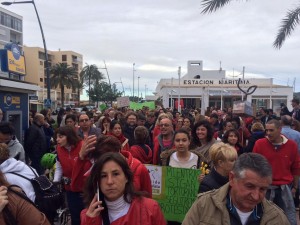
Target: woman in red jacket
115,201
93,149
116,131
141,150
68,147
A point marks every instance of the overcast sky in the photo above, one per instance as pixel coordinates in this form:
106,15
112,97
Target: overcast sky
160,35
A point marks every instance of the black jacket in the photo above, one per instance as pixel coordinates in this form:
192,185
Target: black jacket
213,180
35,141
128,132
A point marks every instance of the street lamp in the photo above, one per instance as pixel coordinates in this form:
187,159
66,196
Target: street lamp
44,42
138,87
133,79
179,75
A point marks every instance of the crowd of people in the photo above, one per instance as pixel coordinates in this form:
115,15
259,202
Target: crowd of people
100,159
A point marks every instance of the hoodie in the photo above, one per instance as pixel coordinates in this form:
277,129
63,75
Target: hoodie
16,150
16,166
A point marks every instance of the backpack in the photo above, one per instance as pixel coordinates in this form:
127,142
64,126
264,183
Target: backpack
48,197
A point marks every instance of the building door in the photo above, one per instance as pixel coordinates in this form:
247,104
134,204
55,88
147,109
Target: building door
15,118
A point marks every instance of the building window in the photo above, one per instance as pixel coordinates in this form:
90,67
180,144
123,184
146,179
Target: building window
41,79
64,57
10,21
41,63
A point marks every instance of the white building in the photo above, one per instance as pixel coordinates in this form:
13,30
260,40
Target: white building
205,88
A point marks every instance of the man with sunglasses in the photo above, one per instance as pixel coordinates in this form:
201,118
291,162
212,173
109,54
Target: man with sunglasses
86,129
164,140
7,136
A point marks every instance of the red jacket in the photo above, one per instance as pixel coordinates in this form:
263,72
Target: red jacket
138,152
141,179
142,211
67,160
123,140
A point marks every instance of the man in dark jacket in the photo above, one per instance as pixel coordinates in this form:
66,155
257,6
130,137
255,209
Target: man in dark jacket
130,125
295,113
36,143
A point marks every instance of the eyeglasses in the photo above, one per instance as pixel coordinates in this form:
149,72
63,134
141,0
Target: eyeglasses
84,120
164,125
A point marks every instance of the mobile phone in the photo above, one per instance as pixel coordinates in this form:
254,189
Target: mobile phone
98,193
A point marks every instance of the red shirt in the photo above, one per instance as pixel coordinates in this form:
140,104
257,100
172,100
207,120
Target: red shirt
284,160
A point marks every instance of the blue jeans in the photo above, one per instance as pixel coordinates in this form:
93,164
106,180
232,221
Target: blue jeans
75,205
284,201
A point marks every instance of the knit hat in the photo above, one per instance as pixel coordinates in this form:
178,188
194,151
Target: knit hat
257,127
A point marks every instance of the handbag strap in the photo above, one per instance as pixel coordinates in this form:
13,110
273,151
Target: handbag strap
20,175
36,175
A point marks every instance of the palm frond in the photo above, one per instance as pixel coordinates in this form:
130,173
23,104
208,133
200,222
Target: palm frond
212,5
288,25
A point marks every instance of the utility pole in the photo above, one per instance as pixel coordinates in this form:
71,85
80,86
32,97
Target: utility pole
133,80
179,75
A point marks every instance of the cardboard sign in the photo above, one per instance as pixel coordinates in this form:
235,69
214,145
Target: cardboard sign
123,102
177,191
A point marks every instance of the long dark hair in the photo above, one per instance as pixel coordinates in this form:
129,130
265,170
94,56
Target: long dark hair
70,133
95,176
209,128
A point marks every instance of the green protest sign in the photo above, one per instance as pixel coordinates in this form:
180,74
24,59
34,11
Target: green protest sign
175,189
102,107
136,106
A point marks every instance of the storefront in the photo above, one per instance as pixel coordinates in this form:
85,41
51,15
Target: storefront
204,89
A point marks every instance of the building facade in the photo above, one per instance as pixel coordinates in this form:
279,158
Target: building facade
211,88
36,73
14,90
11,28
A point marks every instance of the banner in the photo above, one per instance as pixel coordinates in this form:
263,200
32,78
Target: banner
175,189
136,106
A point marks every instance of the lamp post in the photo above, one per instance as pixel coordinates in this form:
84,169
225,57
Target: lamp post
44,42
179,75
138,88
133,79
222,93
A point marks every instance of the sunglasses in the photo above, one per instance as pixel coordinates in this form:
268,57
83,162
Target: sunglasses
84,120
164,125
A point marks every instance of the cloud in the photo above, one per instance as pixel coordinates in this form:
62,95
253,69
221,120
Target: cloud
158,36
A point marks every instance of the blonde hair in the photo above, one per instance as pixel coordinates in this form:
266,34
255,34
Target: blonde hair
4,152
223,152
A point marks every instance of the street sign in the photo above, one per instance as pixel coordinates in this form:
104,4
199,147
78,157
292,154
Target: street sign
47,102
33,97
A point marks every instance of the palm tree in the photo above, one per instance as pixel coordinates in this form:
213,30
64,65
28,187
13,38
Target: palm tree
63,76
287,26
91,75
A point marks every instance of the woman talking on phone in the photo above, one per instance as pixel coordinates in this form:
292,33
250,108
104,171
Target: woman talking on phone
110,197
